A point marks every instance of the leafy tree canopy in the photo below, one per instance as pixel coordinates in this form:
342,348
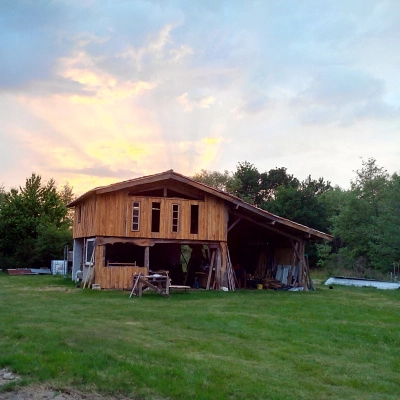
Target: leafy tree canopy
366,223
33,225
222,181
249,183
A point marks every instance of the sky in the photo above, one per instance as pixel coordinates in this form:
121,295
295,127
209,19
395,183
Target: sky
94,92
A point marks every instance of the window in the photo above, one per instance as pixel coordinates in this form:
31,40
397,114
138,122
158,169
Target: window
136,216
175,217
79,214
194,219
155,216
89,255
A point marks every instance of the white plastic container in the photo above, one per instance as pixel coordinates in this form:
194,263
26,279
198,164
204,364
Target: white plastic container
59,267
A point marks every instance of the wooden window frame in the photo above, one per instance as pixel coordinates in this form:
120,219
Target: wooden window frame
194,219
88,257
155,216
135,225
175,218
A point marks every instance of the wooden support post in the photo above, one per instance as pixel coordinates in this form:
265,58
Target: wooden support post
167,285
303,272
89,272
136,280
140,288
230,272
224,265
218,269
310,281
210,270
146,257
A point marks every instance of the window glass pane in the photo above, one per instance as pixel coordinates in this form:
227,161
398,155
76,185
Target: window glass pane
175,217
194,219
136,216
89,251
155,216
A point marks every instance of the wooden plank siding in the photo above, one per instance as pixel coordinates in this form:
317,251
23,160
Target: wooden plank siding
84,219
110,214
120,277
117,277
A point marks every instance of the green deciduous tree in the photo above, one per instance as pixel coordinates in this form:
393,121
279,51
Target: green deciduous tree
302,203
249,179
222,181
33,225
367,223
274,179
66,193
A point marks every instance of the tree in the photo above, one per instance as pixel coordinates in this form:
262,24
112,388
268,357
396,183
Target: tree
367,224
222,181
66,193
302,203
385,246
32,221
275,178
249,183
370,184
2,195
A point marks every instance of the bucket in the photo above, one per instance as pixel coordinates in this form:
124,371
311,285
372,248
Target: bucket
259,286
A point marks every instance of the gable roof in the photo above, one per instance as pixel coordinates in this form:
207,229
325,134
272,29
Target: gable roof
239,207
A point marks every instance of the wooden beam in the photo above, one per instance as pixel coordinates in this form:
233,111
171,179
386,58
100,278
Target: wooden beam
101,240
147,257
115,239
294,245
218,269
210,270
234,224
268,226
136,191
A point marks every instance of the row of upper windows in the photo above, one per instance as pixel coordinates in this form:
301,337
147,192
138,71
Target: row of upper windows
156,217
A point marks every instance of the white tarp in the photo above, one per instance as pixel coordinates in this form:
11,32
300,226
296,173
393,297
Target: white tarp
339,280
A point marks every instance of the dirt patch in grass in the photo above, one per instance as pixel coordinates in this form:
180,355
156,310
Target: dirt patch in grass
42,392
49,289
36,392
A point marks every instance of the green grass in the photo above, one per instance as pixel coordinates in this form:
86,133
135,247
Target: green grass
328,344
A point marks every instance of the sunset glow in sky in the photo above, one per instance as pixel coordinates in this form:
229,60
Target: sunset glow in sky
95,91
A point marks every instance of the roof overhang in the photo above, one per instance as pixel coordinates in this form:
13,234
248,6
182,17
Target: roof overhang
238,208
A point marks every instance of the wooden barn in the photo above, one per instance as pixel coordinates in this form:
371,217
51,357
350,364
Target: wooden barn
172,223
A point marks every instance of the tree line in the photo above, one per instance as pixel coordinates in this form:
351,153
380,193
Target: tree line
364,220
35,224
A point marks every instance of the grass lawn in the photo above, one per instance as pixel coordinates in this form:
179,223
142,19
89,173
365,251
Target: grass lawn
328,344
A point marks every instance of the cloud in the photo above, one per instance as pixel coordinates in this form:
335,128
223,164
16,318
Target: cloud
179,54
100,171
340,86
28,45
90,89
343,96
188,105
252,104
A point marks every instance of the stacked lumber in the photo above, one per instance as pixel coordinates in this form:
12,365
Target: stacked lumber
271,283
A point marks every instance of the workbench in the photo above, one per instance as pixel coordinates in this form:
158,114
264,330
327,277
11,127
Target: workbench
160,283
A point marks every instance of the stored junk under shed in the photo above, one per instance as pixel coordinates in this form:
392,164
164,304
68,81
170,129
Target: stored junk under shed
204,237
